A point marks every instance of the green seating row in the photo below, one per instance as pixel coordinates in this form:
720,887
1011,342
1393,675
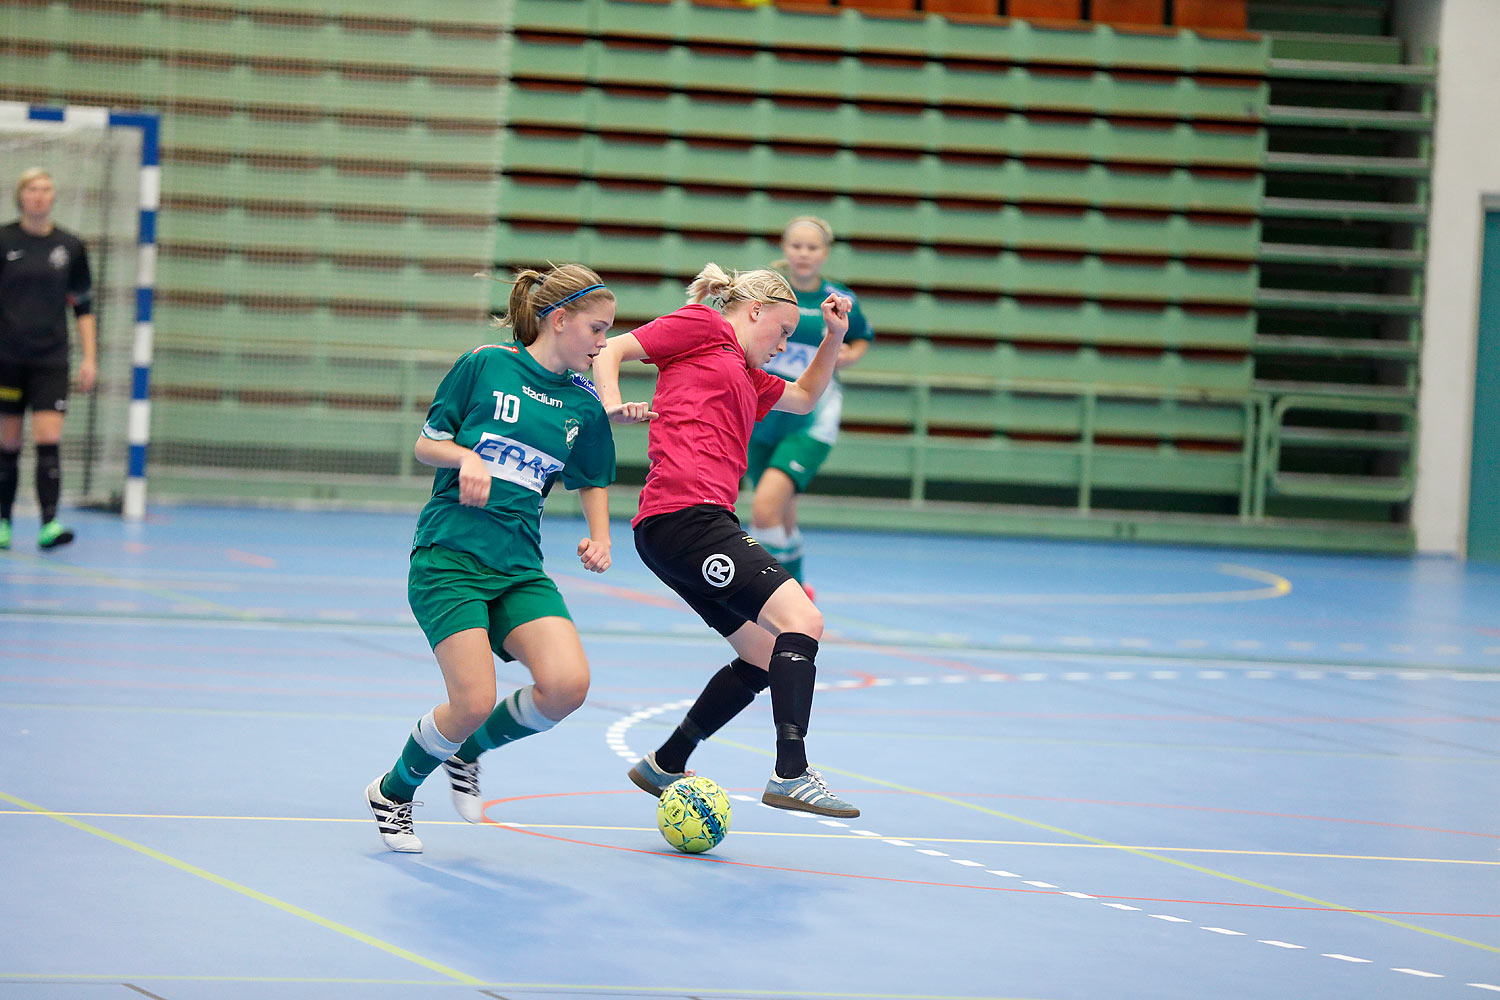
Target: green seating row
571,200
473,14
1316,46
833,29
408,286
326,187
1325,302
924,175
156,83
1346,211
1000,462
154,30
1014,273
851,78
192,330
905,402
848,125
987,318
307,379
1165,369
343,436
1018,414
325,232
243,133
1349,118
334,440
1325,69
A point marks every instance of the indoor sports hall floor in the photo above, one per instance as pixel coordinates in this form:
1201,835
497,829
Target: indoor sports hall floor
1086,770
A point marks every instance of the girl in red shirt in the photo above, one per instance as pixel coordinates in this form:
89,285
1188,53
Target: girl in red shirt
710,391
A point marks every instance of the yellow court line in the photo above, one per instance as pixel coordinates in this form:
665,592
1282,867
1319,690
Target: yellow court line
245,890
1141,852
678,990
810,835
109,579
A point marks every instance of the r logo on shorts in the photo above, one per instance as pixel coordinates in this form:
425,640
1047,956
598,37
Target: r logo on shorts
718,570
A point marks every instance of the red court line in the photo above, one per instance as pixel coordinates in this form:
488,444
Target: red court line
952,885
623,593
250,559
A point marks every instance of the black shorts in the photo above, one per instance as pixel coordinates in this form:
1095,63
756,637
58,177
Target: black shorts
24,386
702,553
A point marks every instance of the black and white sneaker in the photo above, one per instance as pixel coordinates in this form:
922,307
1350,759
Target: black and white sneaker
393,819
463,781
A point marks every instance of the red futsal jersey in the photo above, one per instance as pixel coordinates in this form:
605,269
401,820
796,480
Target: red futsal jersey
708,401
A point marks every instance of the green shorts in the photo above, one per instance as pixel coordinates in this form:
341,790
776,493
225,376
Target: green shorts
450,591
797,443
797,454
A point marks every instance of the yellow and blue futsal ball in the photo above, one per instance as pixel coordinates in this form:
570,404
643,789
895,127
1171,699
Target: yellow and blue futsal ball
693,814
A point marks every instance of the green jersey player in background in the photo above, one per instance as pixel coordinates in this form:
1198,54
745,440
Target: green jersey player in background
508,421
787,449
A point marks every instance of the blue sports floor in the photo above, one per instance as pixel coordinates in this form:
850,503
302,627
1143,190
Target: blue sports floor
1087,771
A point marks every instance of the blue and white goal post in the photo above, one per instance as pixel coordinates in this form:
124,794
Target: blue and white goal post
107,168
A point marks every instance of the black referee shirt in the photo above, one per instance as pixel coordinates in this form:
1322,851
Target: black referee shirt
40,276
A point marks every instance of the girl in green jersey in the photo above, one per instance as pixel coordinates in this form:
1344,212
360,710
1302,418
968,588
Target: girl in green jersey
506,424
788,449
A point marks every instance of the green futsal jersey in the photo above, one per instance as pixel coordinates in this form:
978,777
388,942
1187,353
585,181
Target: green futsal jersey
804,341
530,426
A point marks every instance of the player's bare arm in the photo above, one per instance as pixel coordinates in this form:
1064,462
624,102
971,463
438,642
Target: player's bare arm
606,377
593,551
802,395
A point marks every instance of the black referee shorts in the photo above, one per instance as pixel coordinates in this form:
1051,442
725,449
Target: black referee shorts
702,553
26,386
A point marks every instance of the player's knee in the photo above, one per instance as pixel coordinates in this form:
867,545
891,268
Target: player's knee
470,712
808,621
560,697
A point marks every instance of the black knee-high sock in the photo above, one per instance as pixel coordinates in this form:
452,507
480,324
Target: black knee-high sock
48,479
10,474
793,673
726,695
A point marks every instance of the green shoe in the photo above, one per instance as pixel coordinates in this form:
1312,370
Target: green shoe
4,534
53,534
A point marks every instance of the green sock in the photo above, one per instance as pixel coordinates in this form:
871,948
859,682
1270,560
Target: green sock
425,749
515,718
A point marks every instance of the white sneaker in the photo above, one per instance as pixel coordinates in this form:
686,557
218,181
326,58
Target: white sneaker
393,819
463,781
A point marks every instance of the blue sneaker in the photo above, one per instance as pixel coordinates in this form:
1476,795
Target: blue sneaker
806,793
652,779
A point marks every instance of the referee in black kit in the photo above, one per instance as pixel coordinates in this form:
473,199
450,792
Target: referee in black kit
44,269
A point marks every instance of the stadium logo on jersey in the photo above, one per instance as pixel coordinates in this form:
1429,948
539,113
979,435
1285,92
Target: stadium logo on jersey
515,462
58,258
541,397
718,570
570,432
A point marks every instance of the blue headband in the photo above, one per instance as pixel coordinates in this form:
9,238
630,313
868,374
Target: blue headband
564,301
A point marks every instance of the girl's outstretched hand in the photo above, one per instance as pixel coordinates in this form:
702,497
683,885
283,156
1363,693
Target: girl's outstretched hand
630,413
